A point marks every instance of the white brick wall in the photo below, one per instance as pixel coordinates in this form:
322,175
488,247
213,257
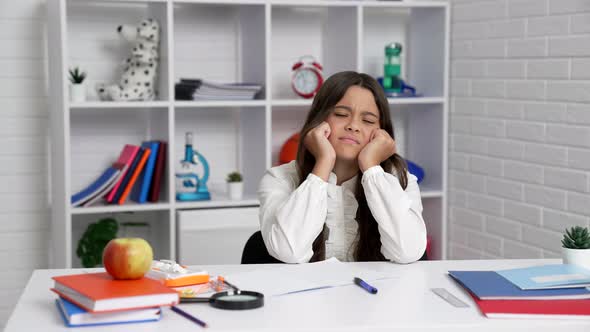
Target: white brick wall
24,217
519,126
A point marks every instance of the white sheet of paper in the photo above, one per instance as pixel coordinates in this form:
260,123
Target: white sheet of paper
301,277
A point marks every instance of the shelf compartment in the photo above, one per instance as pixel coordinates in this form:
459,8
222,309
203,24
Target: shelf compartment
94,45
419,136
98,137
230,139
157,233
286,121
420,30
221,43
320,30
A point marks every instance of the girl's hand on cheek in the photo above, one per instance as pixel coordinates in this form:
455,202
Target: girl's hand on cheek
316,141
380,147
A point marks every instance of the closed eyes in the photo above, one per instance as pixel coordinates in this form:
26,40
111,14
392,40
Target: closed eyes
344,115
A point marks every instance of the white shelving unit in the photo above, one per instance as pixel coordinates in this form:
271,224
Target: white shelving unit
224,41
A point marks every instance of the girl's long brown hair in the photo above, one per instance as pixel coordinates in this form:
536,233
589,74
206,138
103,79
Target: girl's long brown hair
368,246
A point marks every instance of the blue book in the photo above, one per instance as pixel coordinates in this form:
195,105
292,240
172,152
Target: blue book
73,315
142,186
489,285
103,181
548,276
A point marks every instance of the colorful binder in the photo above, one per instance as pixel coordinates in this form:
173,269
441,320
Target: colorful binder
140,191
158,177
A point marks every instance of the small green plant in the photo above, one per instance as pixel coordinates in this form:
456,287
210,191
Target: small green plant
94,239
77,76
576,237
234,177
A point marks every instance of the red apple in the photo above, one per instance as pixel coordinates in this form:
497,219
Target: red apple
127,258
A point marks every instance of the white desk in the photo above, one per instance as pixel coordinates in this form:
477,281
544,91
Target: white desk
403,303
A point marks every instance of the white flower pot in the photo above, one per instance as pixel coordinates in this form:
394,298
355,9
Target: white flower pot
580,257
235,190
77,93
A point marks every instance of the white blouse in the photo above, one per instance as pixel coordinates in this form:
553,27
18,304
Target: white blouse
293,215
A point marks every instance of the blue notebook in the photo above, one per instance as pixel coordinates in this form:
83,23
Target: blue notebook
76,316
489,285
142,186
548,276
103,181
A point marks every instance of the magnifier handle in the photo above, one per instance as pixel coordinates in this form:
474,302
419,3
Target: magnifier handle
195,300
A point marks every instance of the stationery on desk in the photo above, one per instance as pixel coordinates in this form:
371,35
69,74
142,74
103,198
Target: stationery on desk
295,278
188,316
547,291
361,283
172,274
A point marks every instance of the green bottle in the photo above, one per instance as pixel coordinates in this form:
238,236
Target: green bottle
392,68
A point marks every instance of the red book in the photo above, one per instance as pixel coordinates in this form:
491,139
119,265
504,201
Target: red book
126,157
154,195
99,292
576,309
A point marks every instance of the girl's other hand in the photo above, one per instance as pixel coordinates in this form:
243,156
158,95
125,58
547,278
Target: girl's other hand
380,147
316,141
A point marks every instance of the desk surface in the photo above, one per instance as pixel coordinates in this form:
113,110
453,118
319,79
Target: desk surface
403,302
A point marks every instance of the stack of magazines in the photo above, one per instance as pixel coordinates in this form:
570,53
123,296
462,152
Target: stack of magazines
198,89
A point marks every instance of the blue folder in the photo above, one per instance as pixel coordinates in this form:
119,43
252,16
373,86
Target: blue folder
489,285
142,186
548,276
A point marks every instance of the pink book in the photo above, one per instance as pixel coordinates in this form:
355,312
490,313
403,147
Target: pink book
125,158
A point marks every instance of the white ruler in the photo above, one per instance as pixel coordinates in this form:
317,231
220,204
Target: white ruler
450,298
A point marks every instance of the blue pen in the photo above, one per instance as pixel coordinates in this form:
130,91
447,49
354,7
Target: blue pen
364,285
188,316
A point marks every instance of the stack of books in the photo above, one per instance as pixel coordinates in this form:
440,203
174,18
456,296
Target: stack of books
98,299
198,89
547,291
138,173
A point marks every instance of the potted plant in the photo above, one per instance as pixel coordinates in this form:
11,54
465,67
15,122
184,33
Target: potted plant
235,186
77,88
94,239
576,246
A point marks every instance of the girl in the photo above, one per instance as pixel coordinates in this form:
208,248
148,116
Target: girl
348,195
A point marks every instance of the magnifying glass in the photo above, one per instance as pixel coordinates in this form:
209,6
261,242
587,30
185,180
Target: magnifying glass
230,300
234,299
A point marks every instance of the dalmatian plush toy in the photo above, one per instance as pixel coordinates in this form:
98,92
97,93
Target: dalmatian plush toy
138,82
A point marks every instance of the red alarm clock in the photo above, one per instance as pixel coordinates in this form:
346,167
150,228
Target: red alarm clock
307,77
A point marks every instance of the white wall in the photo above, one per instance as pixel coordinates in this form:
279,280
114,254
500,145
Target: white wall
520,126
24,217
